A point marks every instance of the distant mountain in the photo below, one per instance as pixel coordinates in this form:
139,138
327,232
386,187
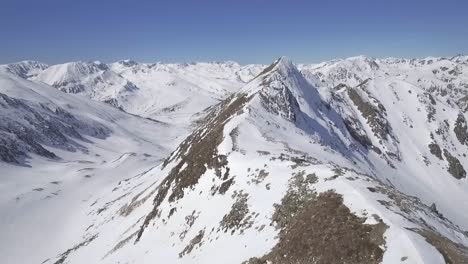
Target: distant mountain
58,150
169,92
25,69
94,80
359,160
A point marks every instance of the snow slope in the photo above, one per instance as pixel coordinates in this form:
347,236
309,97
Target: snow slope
175,92
420,113
57,152
350,161
245,185
167,92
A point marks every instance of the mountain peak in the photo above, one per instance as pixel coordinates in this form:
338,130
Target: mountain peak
283,60
283,90
282,66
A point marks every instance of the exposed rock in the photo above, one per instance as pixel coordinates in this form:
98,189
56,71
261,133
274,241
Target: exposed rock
300,190
374,115
198,152
278,99
63,257
356,131
455,167
239,217
461,129
453,253
33,126
225,186
435,150
193,243
325,231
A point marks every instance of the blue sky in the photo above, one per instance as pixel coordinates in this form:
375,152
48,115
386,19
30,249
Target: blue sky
247,31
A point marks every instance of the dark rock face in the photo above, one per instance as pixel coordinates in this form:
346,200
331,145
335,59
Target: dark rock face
460,129
28,126
435,150
455,167
355,130
276,94
9,149
463,104
280,101
375,116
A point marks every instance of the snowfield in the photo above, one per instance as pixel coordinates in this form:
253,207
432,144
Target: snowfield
359,160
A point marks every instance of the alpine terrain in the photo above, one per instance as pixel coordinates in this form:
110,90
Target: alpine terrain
357,160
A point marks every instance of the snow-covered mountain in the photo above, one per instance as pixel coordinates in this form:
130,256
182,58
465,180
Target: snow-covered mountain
358,160
174,92
56,152
94,80
167,92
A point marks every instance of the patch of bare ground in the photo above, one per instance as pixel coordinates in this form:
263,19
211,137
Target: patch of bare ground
239,217
196,241
128,208
195,155
298,159
323,230
121,243
64,255
106,205
337,172
189,221
453,253
299,192
259,176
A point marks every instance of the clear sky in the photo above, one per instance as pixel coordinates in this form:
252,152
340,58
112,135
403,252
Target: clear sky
247,31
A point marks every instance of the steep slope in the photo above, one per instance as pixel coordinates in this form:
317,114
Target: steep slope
410,113
275,174
57,152
26,125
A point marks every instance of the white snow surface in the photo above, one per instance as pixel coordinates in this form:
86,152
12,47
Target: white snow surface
88,206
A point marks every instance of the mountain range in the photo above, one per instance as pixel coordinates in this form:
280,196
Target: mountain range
357,160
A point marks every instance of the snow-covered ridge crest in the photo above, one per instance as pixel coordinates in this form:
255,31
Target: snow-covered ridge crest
272,168
249,165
